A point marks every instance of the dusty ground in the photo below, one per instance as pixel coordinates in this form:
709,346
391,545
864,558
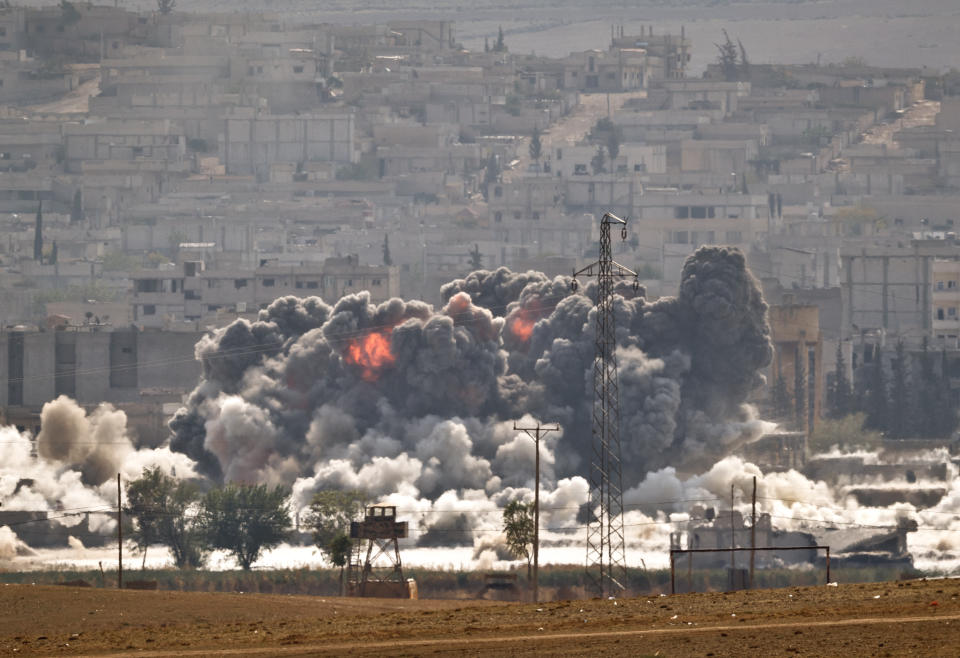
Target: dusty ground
884,619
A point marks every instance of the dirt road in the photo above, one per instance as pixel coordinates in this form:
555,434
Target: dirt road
906,618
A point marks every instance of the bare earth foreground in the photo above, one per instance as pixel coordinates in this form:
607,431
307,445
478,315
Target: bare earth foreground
883,619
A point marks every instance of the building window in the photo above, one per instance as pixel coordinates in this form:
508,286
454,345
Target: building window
535,215
734,237
498,216
313,285
375,282
940,314
580,170
680,237
498,191
149,309
268,283
951,284
559,154
939,285
298,69
952,312
681,212
239,283
3,31
517,214
299,284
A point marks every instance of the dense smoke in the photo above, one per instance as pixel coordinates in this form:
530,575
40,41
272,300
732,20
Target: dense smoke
78,457
404,400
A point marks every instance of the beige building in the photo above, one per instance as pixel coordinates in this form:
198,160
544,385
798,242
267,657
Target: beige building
798,358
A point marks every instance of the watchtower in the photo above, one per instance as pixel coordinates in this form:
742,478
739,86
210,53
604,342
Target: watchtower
375,568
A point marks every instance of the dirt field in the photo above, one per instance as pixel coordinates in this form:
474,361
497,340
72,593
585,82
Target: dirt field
884,619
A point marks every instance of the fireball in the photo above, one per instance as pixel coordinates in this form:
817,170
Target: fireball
371,354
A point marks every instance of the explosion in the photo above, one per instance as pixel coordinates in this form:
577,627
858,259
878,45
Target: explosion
371,354
417,403
522,326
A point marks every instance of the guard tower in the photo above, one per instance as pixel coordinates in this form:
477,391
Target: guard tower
375,568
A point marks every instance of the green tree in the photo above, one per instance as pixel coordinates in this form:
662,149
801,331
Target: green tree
840,393
337,551
927,393
847,433
476,258
500,46
244,520
599,161
946,400
900,409
876,398
160,506
744,62
166,6
727,58
387,258
331,512
614,139
536,147
68,13
518,527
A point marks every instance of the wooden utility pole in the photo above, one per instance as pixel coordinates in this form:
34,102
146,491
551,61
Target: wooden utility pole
119,537
535,433
753,530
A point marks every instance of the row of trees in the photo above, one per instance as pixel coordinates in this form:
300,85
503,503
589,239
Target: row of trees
913,399
243,520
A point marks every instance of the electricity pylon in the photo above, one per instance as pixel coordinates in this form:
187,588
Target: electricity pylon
606,558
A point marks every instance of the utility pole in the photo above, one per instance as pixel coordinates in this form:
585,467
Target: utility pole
535,433
753,530
606,558
733,542
119,538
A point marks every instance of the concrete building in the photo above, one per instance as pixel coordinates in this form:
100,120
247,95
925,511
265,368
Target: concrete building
891,288
946,300
94,364
798,359
195,294
253,141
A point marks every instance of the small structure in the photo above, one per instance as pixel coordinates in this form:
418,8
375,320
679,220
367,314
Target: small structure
375,568
502,585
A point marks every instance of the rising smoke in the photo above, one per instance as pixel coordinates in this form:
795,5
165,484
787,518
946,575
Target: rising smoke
402,399
78,457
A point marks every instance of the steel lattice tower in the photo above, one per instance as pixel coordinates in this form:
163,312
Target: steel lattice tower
606,559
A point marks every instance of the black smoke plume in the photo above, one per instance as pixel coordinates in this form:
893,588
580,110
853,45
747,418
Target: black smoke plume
404,398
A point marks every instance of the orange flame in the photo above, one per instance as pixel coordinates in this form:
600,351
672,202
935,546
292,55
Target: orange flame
522,326
371,354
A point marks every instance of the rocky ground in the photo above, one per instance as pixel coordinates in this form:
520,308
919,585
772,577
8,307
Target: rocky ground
882,619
